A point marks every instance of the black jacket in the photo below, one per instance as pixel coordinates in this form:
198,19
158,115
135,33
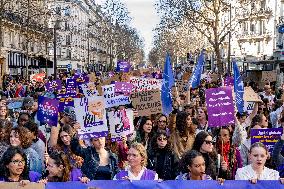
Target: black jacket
164,162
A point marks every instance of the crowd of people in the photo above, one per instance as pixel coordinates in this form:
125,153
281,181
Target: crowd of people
180,146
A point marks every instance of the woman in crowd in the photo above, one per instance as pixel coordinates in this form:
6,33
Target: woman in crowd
63,144
59,169
229,152
137,160
204,144
202,119
161,158
256,170
14,167
99,163
192,167
22,137
161,123
182,131
4,137
144,133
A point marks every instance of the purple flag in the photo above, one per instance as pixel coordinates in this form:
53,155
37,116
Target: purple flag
123,66
266,136
220,106
47,110
53,85
123,87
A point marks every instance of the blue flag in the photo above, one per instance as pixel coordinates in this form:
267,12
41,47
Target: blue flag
238,88
168,82
195,78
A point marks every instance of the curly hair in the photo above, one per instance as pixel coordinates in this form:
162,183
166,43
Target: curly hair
5,128
142,151
7,158
61,159
181,124
154,143
24,135
187,159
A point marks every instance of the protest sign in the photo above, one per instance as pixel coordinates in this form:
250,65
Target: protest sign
229,81
123,87
251,96
91,114
268,76
53,85
123,66
89,89
64,102
266,136
121,123
220,106
71,87
248,107
15,103
145,84
182,86
147,102
47,110
111,99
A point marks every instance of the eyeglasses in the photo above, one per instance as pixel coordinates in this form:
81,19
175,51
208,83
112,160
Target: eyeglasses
18,162
162,121
162,138
208,142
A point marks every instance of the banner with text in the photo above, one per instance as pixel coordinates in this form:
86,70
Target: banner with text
111,99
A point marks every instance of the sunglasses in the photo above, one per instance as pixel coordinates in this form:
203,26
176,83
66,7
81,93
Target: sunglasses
162,121
208,142
162,138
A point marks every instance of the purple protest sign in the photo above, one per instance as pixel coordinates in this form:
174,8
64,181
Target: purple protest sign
220,106
47,110
266,136
53,85
229,81
65,102
123,66
123,87
71,87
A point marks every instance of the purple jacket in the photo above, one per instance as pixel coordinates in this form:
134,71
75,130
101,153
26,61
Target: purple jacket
147,175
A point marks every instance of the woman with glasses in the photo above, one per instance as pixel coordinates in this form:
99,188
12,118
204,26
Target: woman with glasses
161,158
14,167
137,161
204,144
161,123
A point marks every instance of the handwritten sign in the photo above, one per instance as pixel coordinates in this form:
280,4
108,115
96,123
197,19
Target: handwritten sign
268,76
53,85
121,123
111,99
123,66
89,89
65,102
47,110
266,136
229,81
220,106
71,87
123,87
145,84
91,114
147,102
251,96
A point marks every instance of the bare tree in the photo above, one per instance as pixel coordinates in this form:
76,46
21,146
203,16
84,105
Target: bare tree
211,18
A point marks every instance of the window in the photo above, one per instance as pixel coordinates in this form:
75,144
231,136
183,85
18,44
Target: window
68,40
252,27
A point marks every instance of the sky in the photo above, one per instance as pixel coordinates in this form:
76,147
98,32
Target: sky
144,19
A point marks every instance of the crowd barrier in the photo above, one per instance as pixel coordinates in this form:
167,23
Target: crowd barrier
149,185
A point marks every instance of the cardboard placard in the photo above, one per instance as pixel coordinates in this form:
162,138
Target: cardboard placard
147,103
13,185
268,76
145,84
251,96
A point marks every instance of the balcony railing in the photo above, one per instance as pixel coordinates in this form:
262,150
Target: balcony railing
254,35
